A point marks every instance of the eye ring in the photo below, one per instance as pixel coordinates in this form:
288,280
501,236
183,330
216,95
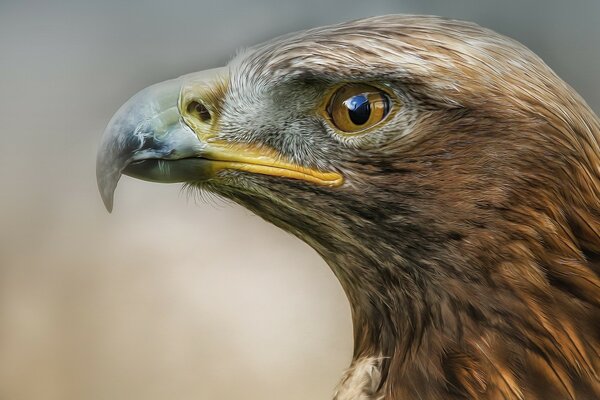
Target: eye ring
355,108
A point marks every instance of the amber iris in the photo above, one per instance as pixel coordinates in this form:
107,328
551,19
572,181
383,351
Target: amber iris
355,108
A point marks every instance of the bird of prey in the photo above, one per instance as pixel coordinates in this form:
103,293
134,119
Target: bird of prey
446,175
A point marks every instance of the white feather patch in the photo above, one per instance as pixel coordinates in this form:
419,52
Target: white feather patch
361,381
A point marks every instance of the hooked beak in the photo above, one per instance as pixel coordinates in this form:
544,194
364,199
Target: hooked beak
150,138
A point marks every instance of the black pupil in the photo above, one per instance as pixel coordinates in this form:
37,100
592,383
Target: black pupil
359,109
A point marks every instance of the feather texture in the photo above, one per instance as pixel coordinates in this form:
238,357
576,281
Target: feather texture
467,235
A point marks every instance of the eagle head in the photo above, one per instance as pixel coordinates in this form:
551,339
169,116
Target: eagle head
449,178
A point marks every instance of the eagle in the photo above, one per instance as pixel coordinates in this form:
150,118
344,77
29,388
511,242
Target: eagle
449,178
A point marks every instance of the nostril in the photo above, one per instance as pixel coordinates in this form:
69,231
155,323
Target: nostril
198,110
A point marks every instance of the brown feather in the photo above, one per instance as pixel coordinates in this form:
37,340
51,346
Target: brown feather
467,236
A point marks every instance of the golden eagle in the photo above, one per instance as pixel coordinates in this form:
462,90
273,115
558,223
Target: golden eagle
449,178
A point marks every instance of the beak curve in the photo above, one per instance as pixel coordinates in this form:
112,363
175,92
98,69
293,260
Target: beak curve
145,137
148,138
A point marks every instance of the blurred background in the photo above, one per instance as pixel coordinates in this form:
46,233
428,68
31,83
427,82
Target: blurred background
168,297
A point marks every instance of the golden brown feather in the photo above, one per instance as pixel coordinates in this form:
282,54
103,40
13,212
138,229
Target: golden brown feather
466,234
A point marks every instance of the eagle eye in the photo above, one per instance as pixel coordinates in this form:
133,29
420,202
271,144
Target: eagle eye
357,107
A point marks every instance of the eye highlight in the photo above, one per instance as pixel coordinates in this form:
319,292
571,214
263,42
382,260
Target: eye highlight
356,108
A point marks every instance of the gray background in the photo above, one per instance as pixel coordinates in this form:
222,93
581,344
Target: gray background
169,298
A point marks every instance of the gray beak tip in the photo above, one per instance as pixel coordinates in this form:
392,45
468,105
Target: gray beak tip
128,131
108,203
107,185
108,171
148,128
